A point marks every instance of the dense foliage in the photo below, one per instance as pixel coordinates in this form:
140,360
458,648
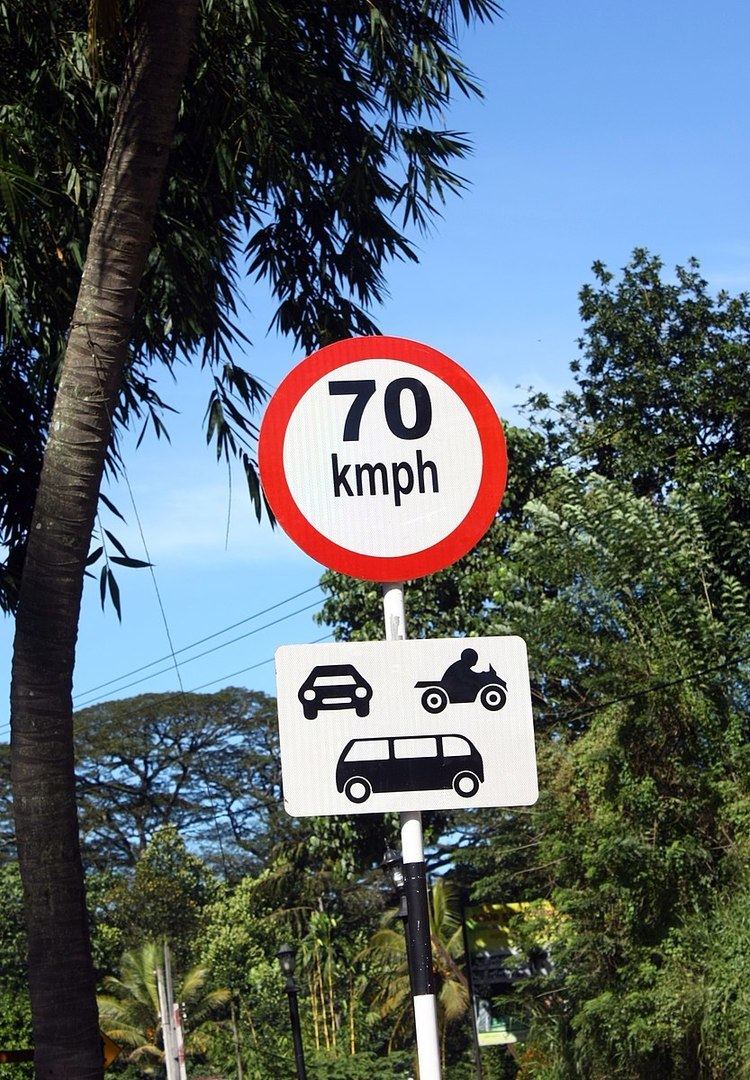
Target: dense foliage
624,566
308,139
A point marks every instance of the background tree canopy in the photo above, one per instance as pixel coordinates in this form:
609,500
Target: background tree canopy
205,764
624,566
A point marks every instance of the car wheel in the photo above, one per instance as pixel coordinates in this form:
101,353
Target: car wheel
493,697
434,699
466,784
310,712
357,790
363,710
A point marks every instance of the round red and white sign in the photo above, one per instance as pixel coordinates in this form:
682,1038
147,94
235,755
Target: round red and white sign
382,458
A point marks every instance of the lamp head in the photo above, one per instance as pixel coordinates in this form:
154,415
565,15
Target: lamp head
287,958
393,864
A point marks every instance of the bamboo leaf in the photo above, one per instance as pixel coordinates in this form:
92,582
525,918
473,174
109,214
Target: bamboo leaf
114,591
95,554
111,506
116,543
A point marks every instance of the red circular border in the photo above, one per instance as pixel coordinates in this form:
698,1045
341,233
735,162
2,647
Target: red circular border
325,551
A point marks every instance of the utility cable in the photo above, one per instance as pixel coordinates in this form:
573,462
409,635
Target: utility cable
160,660
160,603
177,665
195,644
260,663
578,711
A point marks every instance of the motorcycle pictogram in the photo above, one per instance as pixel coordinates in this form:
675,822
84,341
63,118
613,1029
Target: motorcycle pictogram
461,684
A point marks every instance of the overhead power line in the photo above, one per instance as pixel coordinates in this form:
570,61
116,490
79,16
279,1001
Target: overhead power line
176,666
260,663
653,688
180,695
194,644
577,711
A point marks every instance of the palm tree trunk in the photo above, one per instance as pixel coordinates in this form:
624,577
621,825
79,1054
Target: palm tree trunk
66,1034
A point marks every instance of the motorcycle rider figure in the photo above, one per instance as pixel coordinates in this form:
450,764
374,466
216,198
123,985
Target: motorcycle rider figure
460,682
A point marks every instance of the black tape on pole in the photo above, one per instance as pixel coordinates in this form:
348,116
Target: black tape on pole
418,925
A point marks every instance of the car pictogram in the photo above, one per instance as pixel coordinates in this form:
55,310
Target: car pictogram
335,686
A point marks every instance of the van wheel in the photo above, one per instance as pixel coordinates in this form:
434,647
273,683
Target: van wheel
357,790
434,699
493,697
466,784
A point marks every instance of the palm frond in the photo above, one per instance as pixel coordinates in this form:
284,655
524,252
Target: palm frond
193,982
146,1050
446,909
453,1000
387,944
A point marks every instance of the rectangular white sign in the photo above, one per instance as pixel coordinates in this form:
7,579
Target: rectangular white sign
372,727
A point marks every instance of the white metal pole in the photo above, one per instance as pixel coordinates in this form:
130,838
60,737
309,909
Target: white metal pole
166,1027
412,853
180,1040
175,1038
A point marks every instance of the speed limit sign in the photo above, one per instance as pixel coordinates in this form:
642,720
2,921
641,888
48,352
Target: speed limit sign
382,458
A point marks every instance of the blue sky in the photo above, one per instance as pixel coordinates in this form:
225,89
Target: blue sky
605,126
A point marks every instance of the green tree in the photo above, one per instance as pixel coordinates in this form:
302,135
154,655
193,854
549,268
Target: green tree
320,892
7,832
208,764
639,645
626,573
662,399
702,993
334,107
15,1032
15,1010
164,896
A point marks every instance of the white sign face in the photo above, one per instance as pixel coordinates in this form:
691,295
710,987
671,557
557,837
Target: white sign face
372,727
382,494
382,458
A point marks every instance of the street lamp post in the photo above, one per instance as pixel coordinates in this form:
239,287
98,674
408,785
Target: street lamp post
287,959
410,883
393,865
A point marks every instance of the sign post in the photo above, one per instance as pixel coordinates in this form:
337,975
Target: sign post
383,459
418,945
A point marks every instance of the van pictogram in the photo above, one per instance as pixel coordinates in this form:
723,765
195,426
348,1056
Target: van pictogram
409,763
